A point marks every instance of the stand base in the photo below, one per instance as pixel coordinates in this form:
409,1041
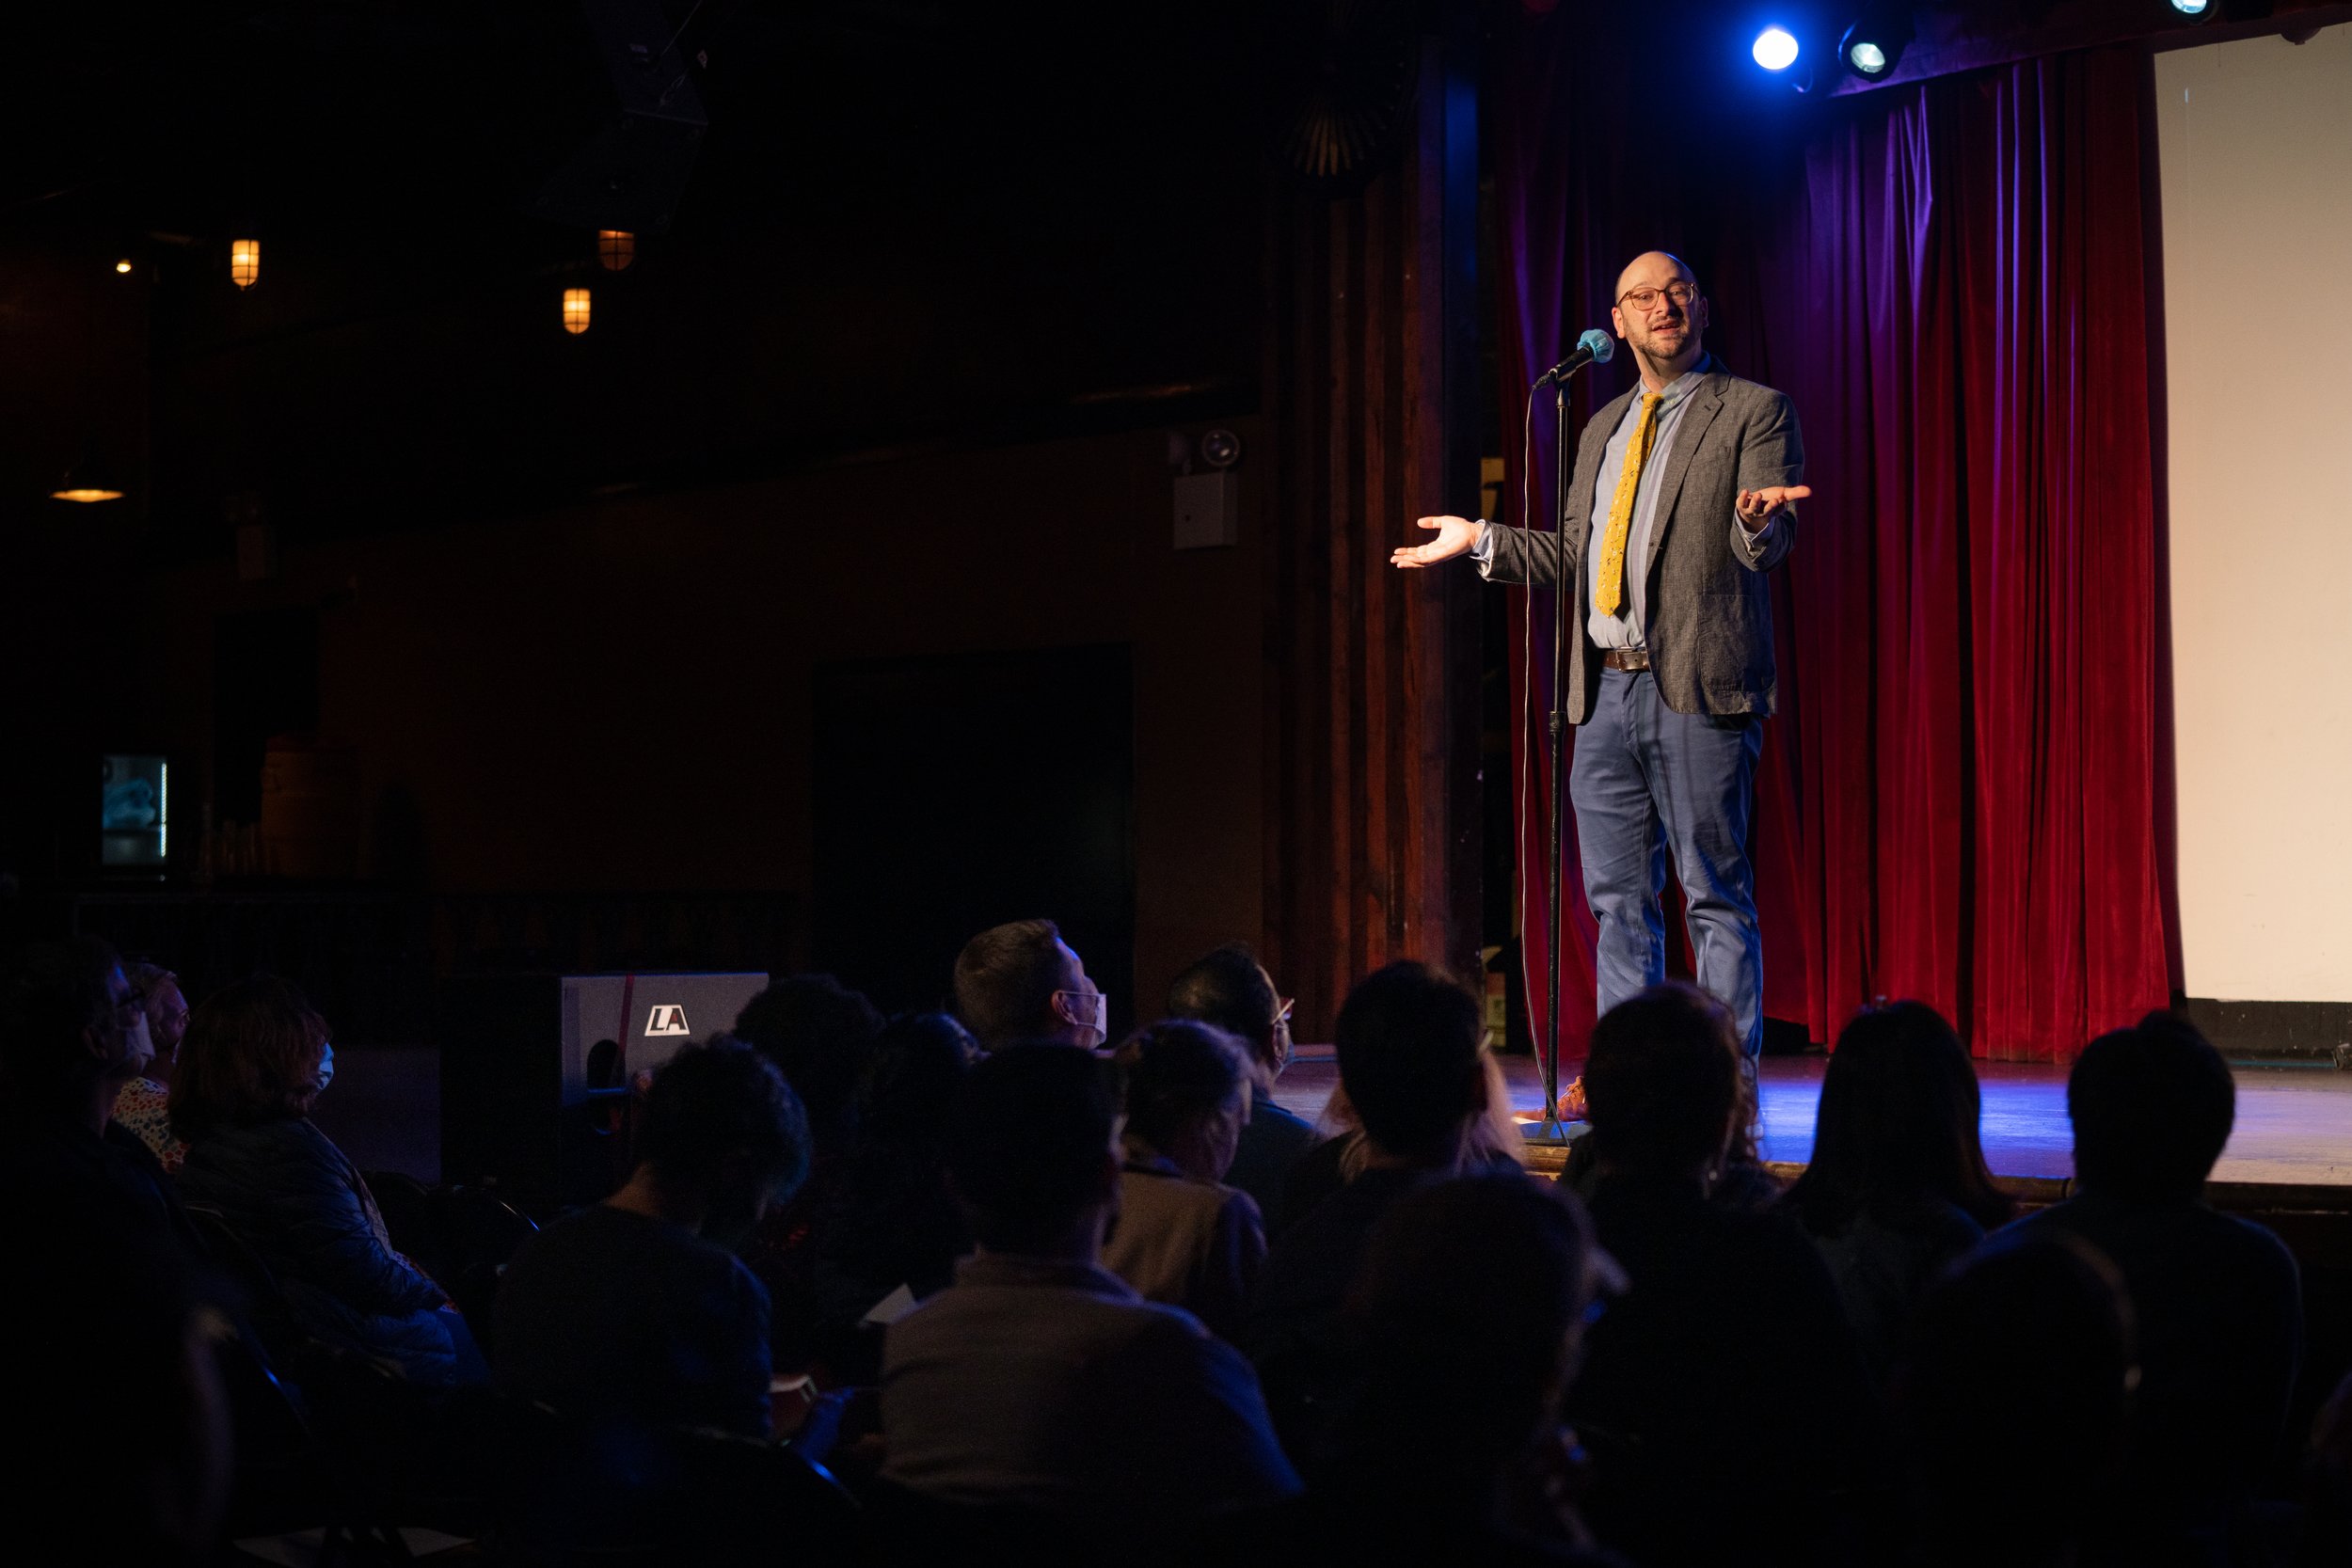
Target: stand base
1551,1132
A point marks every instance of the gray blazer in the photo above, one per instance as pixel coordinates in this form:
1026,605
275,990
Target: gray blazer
1711,611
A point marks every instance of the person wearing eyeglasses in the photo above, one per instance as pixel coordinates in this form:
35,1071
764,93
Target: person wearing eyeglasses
1021,982
1681,499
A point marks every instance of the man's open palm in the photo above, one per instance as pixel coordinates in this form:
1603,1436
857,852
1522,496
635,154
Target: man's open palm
1455,535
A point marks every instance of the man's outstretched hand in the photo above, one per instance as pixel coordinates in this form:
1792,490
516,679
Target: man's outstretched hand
1758,507
1455,535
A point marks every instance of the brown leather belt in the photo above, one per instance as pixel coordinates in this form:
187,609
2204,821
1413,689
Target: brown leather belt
1627,659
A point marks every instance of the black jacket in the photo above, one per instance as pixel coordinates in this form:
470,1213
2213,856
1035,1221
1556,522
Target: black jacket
298,1202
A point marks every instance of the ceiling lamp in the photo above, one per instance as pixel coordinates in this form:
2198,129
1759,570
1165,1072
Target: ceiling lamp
574,312
245,262
617,249
86,482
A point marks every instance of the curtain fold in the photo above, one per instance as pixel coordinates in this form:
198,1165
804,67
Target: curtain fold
1958,799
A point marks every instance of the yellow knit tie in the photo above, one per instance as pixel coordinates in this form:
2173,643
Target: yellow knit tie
1609,587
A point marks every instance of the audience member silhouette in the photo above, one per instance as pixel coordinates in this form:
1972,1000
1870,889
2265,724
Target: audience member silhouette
1896,1185
895,1226
1021,982
71,1034
819,1035
1744,1184
2013,1399
2216,1299
1725,1400
251,1067
1230,989
634,1309
1182,1237
1464,1322
142,1106
2327,1483
1414,1067
123,1450
1039,1380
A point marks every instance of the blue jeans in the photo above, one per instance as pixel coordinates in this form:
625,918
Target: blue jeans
1647,782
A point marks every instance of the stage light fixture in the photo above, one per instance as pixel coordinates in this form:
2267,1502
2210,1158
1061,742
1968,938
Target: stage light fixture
574,312
122,266
1775,49
1875,41
245,262
617,249
2196,11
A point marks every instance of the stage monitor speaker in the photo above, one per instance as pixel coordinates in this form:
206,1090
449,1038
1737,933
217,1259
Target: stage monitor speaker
523,1079
636,131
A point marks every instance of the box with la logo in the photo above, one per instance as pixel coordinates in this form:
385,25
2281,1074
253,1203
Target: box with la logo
538,1070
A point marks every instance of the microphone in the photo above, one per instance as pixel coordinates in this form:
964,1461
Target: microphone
1595,348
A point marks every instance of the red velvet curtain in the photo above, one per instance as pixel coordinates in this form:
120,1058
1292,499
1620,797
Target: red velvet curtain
1958,801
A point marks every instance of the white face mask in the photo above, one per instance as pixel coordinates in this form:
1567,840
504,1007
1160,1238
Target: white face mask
1085,1010
326,1065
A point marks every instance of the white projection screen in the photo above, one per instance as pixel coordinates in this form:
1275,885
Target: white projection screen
2255,141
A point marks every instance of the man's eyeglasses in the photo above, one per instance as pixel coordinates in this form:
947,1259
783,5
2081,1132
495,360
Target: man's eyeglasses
1643,299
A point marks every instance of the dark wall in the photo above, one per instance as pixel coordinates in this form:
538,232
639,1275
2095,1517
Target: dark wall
620,695
897,382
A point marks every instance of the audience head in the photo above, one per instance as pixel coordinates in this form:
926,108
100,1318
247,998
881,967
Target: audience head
1413,1062
2025,1344
2152,1108
253,1054
166,1009
1031,1150
1897,1122
1188,1094
70,1028
816,1032
720,1123
1230,989
1661,1083
1021,982
1467,1310
912,1074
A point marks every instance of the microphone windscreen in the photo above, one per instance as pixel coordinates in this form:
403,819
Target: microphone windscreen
1599,343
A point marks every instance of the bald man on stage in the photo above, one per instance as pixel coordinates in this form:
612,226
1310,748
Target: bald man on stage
1682,497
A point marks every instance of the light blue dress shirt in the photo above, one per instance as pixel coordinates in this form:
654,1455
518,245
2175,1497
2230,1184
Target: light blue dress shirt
1628,628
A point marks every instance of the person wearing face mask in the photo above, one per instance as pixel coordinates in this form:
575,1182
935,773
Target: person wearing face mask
141,1104
254,1061
1182,1237
1021,983
636,1309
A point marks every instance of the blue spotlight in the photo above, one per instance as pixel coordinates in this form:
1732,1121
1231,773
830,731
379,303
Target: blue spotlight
2198,9
1775,49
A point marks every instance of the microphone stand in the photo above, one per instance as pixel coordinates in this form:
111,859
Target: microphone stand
1550,1130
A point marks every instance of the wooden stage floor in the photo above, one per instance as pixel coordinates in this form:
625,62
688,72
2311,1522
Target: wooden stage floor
2294,1123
